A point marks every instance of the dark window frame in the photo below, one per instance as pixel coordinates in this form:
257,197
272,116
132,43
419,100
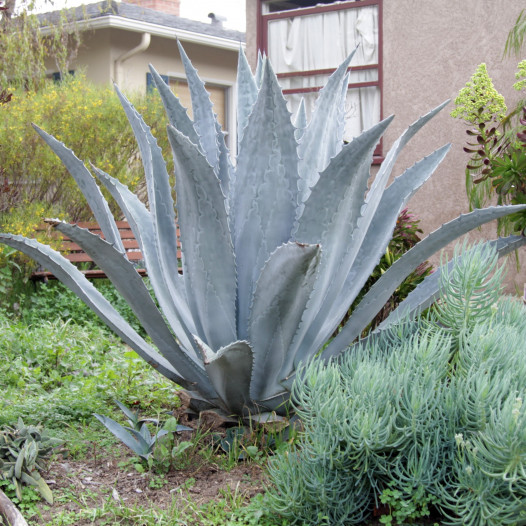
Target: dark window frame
262,43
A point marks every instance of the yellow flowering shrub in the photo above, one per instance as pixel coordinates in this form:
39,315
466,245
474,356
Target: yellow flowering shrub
88,119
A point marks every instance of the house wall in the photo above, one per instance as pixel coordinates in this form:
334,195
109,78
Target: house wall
430,50
101,48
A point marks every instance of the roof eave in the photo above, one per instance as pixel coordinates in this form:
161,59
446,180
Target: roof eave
128,24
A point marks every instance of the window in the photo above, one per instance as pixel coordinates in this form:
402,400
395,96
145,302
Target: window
306,40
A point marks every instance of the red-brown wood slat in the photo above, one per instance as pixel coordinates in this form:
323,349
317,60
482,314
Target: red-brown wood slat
74,253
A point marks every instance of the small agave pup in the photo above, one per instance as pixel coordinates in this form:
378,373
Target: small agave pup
274,250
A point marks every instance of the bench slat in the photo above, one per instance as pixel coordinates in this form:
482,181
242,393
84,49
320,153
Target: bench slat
76,254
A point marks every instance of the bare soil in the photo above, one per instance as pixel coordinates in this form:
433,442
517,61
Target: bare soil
104,475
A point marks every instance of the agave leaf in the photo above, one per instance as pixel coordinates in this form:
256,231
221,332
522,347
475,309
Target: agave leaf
208,255
323,137
425,294
132,416
177,114
224,168
135,442
88,186
159,192
380,232
247,93
265,190
230,370
327,320
380,292
375,194
330,217
260,69
204,117
77,282
131,286
280,297
171,300
301,120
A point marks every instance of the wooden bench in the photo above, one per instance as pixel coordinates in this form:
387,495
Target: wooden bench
78,257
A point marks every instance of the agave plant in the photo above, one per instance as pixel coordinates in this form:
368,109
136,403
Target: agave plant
274,248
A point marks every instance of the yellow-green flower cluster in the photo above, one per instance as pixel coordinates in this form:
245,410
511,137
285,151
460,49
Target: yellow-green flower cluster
479,101
520,76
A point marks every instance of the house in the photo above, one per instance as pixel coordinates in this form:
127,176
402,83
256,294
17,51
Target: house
413,55
120,40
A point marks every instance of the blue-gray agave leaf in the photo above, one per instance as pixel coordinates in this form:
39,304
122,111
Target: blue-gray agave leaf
208,264
230,371
280,298
423,296
323,137
265,190
172,302
177,114
380,292
88,186
159,193
202,107
130,285
247,93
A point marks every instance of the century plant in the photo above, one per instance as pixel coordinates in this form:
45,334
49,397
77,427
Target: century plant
275,247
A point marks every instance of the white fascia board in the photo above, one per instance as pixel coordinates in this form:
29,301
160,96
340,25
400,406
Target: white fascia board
128,24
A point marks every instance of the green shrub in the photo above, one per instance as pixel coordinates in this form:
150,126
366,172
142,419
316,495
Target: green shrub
90,119
60,373
417,415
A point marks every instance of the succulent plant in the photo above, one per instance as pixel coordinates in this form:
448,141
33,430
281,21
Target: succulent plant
22,451
274,248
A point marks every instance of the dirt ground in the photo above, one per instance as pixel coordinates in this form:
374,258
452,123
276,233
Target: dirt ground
106,475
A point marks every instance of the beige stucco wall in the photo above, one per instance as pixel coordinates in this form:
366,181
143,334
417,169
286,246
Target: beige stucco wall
430,50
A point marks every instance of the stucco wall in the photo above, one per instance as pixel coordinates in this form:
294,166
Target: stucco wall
430,50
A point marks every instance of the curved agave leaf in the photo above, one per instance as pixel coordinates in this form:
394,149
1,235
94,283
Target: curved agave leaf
224,167
330,217
301,120
323,137
425,294
177,114
131,286
265,190
379,234
260,69
204,118
230,370
331,314
208,255
77,282
380,292
88,187
172,302
135,442
159,193
280,297
247,94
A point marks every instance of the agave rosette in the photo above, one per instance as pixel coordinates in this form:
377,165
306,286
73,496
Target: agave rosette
274,249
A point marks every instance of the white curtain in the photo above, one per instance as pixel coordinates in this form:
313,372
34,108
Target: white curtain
323,41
